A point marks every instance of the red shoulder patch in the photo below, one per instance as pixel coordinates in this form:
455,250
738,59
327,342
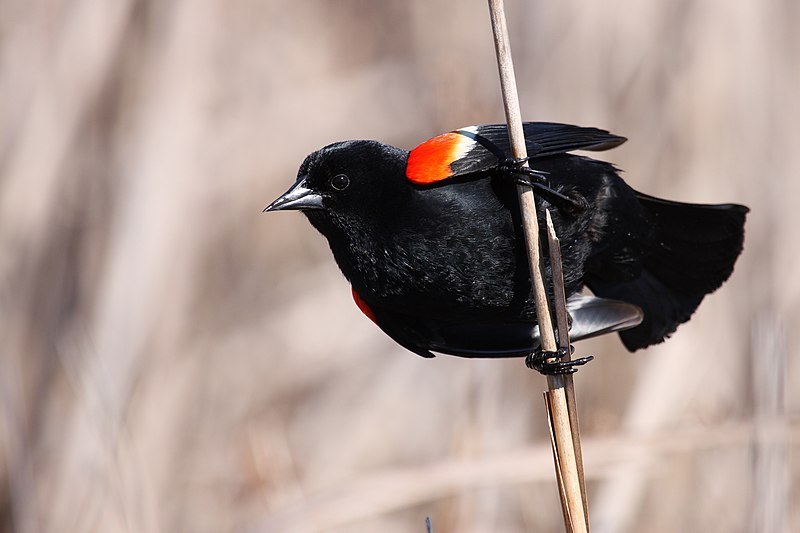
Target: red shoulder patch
430,161
363,306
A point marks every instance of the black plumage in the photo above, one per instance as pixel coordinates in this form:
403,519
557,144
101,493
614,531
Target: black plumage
431,240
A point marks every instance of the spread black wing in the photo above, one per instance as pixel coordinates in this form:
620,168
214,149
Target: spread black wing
481,148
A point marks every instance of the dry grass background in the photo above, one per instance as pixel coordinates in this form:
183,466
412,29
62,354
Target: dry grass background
173,360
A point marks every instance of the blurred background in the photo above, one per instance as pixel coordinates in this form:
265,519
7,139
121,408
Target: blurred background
172,360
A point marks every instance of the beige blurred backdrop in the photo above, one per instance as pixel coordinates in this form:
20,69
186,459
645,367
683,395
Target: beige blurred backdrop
173,360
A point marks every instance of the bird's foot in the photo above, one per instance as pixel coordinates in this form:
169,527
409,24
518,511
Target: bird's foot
523,175
552,364
537,179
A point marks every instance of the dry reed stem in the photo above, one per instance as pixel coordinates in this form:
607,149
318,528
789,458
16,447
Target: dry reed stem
567,470
508,85
562,489
562,326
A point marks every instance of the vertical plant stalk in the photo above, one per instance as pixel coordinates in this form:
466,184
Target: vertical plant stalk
562,327
567,470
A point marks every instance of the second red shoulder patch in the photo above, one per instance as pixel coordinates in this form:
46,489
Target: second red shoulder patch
363,306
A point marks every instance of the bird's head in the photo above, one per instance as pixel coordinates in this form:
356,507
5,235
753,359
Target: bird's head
340,186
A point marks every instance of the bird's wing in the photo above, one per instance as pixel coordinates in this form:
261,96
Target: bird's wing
591,317
476,149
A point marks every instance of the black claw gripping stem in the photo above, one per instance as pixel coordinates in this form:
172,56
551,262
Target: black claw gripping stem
552,363
537,180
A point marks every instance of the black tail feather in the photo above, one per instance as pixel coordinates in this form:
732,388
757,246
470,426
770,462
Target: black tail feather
692,252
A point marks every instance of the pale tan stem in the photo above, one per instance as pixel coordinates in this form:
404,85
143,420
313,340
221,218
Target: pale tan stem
567,471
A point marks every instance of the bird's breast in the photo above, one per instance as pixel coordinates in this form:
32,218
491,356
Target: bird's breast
450,253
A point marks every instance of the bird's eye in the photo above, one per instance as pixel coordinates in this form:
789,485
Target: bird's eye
340,182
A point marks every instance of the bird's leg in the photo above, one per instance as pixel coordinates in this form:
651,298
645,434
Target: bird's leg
537,180
550,363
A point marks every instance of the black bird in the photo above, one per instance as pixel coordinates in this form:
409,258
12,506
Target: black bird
431,240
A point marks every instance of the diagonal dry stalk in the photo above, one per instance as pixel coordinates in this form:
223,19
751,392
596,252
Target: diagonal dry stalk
564,433
562,326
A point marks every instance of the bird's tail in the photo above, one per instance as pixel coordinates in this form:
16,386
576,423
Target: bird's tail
692,253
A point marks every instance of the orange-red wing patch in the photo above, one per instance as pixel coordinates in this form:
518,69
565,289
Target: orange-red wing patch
430,161
363,306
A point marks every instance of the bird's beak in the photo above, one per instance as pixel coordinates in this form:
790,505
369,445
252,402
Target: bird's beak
299,197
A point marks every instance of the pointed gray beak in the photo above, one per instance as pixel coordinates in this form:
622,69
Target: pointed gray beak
299,197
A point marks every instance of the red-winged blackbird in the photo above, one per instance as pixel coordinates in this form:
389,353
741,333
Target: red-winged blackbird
431,240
